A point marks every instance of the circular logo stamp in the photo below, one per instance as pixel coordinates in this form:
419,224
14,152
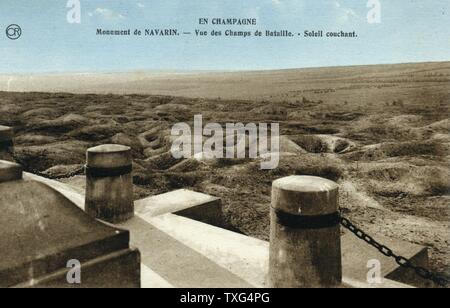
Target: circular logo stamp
13,32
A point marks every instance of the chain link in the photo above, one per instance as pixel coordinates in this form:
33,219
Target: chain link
438,279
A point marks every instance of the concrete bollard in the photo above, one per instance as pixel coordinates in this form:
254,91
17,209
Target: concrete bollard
305,243
109,183
6,143
10,171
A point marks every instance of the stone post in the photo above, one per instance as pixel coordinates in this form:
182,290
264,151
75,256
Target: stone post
305,244
109,183
6,143
10,171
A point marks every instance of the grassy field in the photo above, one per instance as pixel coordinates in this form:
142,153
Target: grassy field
382,132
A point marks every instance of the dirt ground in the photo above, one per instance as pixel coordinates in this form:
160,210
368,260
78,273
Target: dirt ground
381,132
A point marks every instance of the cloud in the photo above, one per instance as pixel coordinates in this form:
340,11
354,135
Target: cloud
287,2
344,14
106,14
141,5
347,14
288,6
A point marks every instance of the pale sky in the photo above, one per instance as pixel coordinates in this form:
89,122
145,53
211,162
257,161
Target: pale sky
410,31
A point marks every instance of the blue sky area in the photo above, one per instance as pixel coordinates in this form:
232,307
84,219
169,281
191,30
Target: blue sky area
410,31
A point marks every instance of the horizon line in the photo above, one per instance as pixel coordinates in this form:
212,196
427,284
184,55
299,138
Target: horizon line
206,71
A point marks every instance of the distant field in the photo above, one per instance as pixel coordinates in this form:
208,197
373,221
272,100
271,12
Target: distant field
382,132
274,85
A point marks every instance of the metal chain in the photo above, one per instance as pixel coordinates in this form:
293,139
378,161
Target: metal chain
438,279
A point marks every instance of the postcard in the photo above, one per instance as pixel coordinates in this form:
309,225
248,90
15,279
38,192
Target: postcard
204,147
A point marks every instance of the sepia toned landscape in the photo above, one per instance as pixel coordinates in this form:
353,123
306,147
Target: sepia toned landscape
381,132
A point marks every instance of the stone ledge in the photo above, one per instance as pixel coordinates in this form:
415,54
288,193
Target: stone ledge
186,203
244,258
10,171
